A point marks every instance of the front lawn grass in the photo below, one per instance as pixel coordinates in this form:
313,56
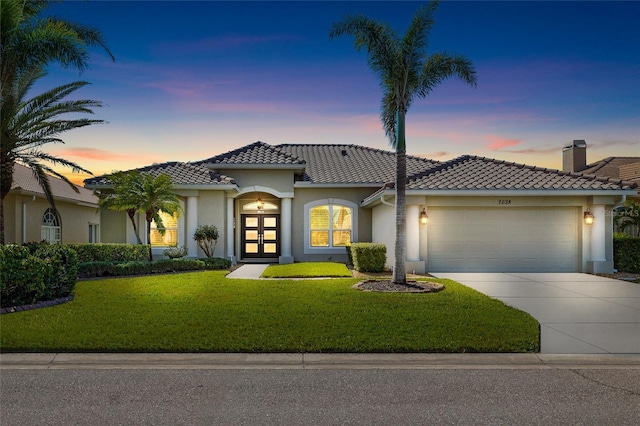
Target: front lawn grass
307,270
205,312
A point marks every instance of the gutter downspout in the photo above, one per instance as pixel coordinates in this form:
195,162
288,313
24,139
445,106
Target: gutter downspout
24,218
383,201
621,202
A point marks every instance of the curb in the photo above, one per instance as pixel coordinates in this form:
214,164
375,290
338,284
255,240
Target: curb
311,361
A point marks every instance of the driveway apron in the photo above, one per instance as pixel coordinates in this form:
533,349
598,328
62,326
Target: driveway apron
578,313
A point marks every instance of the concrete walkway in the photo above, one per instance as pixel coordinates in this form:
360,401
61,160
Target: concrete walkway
251,271
578,313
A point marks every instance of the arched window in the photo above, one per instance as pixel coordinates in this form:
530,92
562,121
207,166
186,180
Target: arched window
50,229
330,225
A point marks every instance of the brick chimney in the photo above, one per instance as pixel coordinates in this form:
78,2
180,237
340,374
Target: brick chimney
574,156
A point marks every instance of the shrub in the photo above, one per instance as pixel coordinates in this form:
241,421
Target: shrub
141,267
22,276
207,238
368,257
61,277
626,254
110,252
176,252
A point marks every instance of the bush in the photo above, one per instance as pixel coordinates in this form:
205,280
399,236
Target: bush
116,269
61,277
368,257
626,254
110,252
207,237
21,276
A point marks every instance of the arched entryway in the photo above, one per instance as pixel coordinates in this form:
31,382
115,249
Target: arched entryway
260,227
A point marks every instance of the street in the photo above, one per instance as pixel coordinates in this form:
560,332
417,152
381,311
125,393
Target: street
497,395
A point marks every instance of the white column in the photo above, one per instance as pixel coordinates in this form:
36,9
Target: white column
598,232
413,233
192,224
285,231
230,231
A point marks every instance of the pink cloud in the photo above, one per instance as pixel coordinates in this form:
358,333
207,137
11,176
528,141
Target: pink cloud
94,154
498,143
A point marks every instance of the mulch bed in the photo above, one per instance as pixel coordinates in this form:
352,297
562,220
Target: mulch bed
389,286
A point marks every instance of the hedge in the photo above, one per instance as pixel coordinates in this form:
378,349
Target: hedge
626,254
116,269
36,273
368,257
107,252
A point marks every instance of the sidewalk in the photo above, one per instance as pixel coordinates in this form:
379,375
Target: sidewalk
250,271
312,361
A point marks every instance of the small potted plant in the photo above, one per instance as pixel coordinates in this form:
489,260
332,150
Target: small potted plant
176,252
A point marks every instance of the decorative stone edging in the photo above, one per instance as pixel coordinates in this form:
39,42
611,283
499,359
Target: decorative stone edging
37,305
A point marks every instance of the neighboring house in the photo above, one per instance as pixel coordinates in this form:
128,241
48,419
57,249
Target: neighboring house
574,159
29,217
288,203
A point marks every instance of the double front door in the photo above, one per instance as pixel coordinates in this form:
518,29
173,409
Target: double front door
260,235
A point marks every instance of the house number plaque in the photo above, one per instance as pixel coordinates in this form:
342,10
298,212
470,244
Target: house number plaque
504,202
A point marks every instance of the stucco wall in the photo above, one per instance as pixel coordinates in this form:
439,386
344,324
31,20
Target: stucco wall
74,219
212,211
280,180
304,196
383,215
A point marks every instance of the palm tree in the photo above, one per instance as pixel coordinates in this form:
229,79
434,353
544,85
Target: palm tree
28,124
135,191
406,71
628,217
123,196
28,43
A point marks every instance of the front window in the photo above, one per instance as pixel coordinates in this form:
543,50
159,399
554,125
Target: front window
50,229
330,225
170,237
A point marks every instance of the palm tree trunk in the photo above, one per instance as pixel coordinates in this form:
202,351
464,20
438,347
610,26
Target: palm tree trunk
132,213
149,219
399,270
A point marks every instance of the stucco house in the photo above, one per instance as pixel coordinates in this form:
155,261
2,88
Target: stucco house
286,203
29,217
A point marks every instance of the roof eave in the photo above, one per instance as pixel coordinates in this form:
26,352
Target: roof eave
374,199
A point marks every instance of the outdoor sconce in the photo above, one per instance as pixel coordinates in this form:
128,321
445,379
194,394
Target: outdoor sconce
423,217
588,217
259,203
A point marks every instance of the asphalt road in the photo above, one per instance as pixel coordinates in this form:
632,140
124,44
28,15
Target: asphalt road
461,396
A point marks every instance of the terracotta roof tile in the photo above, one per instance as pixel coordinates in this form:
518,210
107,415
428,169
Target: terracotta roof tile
480,173
181,174
344,164
255,153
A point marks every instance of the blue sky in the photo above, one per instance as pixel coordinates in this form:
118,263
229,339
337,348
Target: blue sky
196,78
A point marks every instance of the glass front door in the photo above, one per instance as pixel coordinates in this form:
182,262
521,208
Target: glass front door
260,236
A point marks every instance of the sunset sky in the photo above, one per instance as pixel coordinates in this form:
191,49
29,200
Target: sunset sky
195,79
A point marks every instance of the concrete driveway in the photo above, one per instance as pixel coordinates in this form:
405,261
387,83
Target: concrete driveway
578,313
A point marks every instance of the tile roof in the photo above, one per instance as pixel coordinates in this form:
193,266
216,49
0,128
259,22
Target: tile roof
256,153
181,174
350,164
609,166
480,173
23,180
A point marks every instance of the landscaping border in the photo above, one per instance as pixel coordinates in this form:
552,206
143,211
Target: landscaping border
37,305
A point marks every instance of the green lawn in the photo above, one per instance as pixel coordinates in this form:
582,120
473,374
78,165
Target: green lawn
307,270
205,312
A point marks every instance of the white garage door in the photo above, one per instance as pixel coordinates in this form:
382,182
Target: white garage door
503,239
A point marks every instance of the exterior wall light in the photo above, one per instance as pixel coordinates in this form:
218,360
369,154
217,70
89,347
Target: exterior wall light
259,203
588,217
423,217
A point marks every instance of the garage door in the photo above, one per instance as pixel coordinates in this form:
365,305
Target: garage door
503,240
